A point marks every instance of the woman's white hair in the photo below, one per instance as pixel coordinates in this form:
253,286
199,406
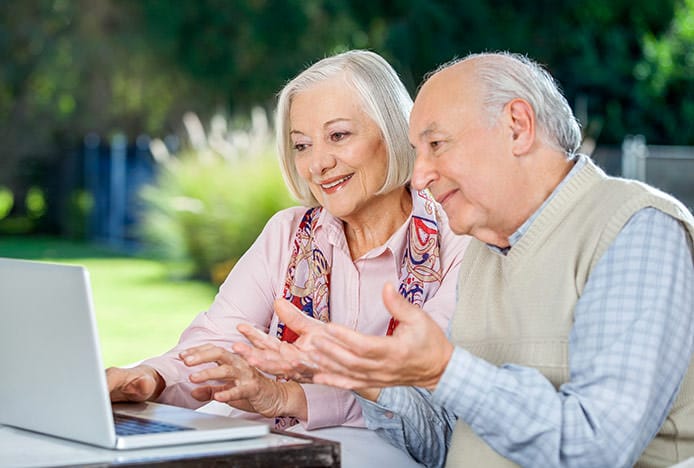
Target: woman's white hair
506,76
385,101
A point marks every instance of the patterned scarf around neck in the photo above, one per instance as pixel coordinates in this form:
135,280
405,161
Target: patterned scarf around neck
307,284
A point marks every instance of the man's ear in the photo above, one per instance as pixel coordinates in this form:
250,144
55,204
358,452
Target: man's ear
522,120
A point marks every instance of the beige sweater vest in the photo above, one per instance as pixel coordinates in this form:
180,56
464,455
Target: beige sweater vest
519,308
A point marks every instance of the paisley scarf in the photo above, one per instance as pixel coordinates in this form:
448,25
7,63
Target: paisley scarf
307,284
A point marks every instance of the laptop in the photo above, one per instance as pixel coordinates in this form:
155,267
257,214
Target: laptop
53,379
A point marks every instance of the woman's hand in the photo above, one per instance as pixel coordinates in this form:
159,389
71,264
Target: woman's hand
139,383
237,383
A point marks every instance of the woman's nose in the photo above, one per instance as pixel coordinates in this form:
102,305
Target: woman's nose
322,159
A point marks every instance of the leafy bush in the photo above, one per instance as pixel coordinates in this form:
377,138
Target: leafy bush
6,201
210,202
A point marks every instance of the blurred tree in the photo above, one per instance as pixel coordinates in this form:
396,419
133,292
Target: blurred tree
244,50
71,67
666,77
590,46
68,67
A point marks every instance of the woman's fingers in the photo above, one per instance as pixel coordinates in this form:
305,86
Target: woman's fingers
206,353
131,384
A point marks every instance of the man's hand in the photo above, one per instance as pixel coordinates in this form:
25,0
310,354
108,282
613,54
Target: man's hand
235,382
139,383
416,354
285,360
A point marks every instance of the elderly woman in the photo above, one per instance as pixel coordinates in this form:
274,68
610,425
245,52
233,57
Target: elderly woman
342,138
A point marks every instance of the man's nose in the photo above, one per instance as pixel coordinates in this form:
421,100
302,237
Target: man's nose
424,172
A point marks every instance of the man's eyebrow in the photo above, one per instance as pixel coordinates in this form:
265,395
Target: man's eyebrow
431,128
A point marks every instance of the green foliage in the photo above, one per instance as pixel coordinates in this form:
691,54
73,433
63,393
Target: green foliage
35,203
35,206
666,77
6,201
244,50
207,206
79,206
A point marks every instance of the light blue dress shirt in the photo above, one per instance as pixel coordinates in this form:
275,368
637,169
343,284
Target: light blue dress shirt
629,349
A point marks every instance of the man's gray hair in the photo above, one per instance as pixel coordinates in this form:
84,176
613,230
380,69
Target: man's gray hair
506,76
385,101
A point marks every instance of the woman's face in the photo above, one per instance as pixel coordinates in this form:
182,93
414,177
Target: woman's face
338,149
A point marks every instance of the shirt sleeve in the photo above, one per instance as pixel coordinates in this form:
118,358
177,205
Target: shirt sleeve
629,348
246,296
407,418
329,406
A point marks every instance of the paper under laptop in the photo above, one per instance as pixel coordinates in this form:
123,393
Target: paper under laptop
52,378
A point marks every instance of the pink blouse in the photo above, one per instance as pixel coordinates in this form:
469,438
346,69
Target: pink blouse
355,301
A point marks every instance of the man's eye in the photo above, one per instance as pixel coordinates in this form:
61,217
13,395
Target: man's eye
434,144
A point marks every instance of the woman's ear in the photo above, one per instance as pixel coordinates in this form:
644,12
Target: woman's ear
522,119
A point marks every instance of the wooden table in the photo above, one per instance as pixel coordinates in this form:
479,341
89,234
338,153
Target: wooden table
23,449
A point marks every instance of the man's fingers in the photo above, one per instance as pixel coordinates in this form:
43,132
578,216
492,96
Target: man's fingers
366,346
399,307
242,349
302,372
333,357
257,338
342,381
292,317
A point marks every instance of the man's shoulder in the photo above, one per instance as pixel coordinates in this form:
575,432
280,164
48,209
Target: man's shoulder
632,195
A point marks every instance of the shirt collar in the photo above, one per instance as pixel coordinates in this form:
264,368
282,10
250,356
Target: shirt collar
520,232
335,235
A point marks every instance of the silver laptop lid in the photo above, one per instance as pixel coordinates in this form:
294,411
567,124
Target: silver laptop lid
52,375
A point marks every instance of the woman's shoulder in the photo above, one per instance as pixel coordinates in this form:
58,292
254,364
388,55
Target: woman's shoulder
289,215
279,231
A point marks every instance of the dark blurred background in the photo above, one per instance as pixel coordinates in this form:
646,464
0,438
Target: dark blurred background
87,85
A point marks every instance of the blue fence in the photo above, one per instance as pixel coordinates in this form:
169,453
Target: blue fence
114,172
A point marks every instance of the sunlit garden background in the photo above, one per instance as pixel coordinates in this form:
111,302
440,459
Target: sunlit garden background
137,135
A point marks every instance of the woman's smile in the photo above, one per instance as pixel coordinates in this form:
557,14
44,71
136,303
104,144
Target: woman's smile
333,185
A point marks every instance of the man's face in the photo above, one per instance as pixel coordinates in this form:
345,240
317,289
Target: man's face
460,154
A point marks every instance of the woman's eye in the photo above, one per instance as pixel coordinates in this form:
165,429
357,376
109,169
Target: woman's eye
337,136
434,144
300,146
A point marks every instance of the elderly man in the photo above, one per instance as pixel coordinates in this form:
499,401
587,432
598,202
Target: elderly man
572,340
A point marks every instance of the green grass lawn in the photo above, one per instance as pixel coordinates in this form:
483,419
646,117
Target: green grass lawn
140,310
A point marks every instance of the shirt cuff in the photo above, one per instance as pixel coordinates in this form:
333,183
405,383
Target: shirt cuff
328,406
379,414
465,384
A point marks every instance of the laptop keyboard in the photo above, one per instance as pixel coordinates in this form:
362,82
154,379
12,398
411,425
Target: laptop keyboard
130,425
